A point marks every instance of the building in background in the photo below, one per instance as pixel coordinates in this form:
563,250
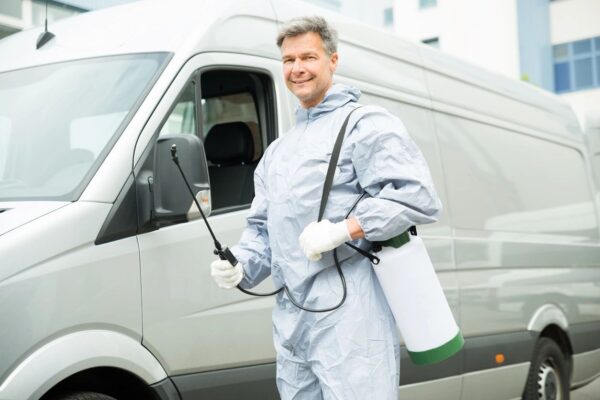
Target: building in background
554,44
378,13
16,15
575,36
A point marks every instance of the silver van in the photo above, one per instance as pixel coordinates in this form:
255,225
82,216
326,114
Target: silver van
105,289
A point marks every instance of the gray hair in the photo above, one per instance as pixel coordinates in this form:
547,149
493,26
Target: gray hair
302,25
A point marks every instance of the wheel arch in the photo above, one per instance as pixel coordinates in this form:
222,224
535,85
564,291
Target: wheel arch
68,355
546,315
551,322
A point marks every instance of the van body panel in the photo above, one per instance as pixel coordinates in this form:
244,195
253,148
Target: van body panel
500,383
15,214
376,69
446,388
254,382
525,235
586,350
67,284
71,353
525,226
506,298
14,247
585,367
584,336
592,136
180,297
456,82
554,198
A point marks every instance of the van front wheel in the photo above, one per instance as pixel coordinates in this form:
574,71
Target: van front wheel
547,378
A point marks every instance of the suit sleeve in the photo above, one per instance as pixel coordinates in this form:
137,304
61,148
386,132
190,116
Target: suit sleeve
392,170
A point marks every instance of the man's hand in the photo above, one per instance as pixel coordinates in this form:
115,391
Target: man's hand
226,275
319,237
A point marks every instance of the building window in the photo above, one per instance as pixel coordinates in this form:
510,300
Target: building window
56,11
388,16
433,42
577,65
427,3
597,68
562,77
12,8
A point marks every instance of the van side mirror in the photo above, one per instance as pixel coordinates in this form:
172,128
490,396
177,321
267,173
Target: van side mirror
173,201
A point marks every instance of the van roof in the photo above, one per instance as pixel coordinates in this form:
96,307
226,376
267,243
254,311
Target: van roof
178,26
187,27
451,66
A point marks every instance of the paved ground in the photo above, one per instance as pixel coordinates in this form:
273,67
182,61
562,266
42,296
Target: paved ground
588,392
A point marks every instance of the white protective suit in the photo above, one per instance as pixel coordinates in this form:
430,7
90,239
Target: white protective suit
352,352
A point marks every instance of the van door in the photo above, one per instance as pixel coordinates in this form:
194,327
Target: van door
190,324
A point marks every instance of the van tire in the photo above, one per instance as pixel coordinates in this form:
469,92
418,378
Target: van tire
85,396
548,376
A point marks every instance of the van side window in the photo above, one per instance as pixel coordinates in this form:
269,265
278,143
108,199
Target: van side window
237,112
183,115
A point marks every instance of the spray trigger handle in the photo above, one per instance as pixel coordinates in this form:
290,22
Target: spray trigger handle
226,254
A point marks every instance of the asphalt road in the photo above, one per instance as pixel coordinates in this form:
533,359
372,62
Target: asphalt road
588,392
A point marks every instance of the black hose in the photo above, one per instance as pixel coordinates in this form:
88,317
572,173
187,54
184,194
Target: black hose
337,266
225,254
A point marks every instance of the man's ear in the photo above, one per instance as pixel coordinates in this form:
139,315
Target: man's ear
333,61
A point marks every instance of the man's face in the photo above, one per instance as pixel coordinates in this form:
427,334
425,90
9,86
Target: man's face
307,69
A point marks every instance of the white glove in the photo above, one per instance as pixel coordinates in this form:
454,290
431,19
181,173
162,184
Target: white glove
226,275
319,237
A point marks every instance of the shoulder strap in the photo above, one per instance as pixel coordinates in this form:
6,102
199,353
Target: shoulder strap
332,164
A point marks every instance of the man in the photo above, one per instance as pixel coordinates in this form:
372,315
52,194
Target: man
352,352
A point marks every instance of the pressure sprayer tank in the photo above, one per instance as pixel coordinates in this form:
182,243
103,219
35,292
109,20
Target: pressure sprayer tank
417,300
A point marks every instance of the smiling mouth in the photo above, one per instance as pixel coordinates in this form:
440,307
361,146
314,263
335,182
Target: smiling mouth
301,82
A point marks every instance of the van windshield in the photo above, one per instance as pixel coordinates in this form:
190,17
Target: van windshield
58,121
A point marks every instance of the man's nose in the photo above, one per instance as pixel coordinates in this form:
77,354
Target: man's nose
297,67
